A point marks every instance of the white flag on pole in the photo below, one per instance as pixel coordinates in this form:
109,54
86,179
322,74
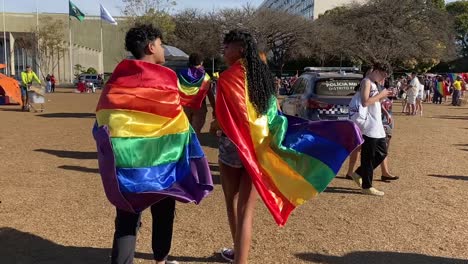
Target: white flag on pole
106,16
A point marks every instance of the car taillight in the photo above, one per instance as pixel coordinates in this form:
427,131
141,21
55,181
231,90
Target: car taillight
319,105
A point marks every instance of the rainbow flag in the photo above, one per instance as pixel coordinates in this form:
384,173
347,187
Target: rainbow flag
194,84
147,149
289,159
452,77
442,89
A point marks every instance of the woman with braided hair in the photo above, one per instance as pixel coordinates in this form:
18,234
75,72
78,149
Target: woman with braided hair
288,160
240,195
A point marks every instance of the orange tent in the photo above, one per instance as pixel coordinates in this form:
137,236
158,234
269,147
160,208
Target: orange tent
11,87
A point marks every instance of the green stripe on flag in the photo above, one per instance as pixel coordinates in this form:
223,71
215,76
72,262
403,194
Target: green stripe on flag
149,152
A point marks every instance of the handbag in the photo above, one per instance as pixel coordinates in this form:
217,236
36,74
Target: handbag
358,113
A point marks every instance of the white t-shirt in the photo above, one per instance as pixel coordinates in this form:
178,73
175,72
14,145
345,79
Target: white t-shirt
416,85
374,128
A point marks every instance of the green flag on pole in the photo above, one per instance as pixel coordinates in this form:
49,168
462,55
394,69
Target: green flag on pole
73,11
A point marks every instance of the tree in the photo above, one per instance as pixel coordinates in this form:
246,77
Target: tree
91,70
438,3
198,32
48,44
393,31
459,11
154,12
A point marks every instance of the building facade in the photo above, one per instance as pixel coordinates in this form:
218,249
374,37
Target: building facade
310,9
85,49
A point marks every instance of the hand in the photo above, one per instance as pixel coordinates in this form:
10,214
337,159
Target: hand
385,93
389,119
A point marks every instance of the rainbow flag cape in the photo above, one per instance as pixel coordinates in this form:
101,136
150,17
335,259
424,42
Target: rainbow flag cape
452,77
147,149
194,84
442,89
289,159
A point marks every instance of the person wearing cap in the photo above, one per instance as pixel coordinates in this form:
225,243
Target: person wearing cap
457,88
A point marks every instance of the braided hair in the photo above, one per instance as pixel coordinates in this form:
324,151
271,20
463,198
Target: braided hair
259,78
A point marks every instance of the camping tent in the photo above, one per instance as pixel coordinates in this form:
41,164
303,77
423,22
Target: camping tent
11,90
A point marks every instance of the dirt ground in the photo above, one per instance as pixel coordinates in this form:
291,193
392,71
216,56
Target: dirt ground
53,208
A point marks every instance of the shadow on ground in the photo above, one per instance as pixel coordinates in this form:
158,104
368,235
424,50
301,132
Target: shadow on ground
26,248
451,177
68,115
377,257
20,247
16,109
342,190
79,169
208,140
82,155
452,117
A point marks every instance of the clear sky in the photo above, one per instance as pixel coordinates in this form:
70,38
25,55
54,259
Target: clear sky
91,7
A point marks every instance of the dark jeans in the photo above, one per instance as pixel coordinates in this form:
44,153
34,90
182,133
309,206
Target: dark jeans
455,97
437,98
127,225
373,152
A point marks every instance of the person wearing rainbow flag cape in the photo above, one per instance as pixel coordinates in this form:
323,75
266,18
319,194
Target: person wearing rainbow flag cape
286,160
149,155
195,86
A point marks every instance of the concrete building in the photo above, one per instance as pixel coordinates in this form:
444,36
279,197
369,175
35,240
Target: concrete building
310,9
86,48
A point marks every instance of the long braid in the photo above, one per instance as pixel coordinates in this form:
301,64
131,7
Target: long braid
259,78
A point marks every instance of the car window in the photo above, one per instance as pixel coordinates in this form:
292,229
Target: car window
336,87
93,77
299,86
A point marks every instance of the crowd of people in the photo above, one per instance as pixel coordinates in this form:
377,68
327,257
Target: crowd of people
416,89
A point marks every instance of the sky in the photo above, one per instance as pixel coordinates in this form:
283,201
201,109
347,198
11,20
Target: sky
91,7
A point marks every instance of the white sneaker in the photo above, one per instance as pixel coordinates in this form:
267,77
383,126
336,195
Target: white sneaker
357,179
227,254
373,191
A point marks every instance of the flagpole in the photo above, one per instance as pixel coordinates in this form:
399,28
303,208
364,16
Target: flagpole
102,51
38,44
4,39
70,49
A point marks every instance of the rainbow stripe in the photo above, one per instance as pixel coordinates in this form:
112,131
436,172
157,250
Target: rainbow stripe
452,77
192,94
289,159
442,89
147,149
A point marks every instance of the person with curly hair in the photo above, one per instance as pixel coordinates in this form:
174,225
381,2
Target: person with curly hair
239,192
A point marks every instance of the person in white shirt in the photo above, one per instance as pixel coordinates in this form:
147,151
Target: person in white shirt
413,90
420,96
374,149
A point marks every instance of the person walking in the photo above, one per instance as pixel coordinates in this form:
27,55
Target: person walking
52,81
195,78
374,149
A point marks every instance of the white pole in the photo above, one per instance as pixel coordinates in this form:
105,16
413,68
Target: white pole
4,39
102,53
38,48
70,50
